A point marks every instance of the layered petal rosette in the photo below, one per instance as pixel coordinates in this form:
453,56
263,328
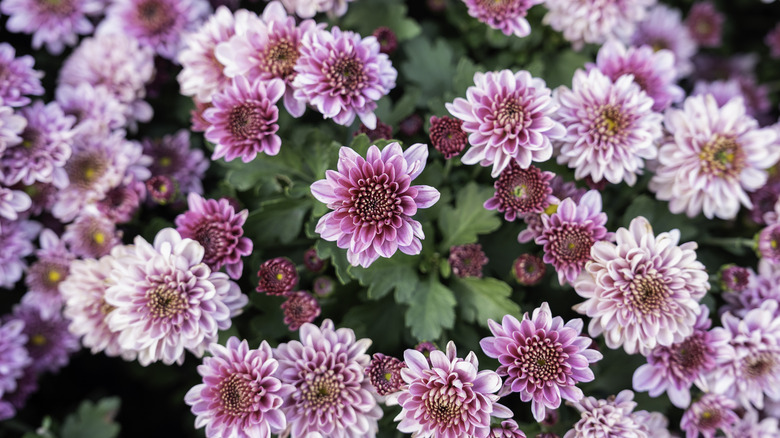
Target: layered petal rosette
373,201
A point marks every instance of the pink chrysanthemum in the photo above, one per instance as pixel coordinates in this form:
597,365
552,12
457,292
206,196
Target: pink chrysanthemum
507,116
612,418
568,234
373,201
95,107
528,269
714,156
388,41
610,127
769,243
91,235
508,429
508,16
663,29
50,268
219,229
243,119
11,126
712,412
447,135
772,40
158,24
332,395
14,357
749,426
755,288
751,370
16,239
309,8
18,79
643,290
54,23
49,342
299,308
13,202
595,21
467,260
343,75
277,276
653,71
705,23
173,156
543,358
167,300
384,373
447,396
382,131
521,191
240,395
268,49
734,278
676,368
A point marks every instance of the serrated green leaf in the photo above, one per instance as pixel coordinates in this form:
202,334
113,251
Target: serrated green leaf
386,275
381,321
462,224
360,144
429,66
404,107
480,299
464,75
367,15
337,256
93,420
659,216
277,220
560,68
431,310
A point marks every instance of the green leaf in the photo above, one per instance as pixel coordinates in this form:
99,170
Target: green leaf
93,420
367,15
560,68
464,75
277,220
462,224
381,321
385,275
428,65
337,256
431,310
480,299
659,216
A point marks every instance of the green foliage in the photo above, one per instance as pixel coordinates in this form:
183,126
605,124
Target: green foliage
431,310
93,420
338,257
463,223
276,220
480,299
366,16
387,274
429,66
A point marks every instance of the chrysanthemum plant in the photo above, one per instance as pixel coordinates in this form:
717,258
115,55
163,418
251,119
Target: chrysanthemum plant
248,227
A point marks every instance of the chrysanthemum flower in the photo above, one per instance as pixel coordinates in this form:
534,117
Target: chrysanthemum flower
219,229
643,290
11,126
373,201
734,278
388,41
93,105
268,49
507,116
507,429
332,395
467,260
610,127
18,79
309,8
49,342
755,288
676,368
13,202
44,149
312,260
705,23
172,155
543,358
568,234
612,417
447,396
508,16
384,373
382,131
750,426
243,119
277,276
772,40
594,21
158,24
167,300
56,24
240,395
343,75
50,268
528,269
521,191
299,308
769,243
663,28
712,412
14,357
122,201
91,235
713,158
323,286
16,239
447,136
751,370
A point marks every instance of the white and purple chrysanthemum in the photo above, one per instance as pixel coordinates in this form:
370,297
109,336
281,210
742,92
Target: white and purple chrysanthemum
18,79
769,243
309,8
95,107
49,269
158,24
373,201
521,191
508,16
663,29
299,308
612,418
55,24
705,23
751,370
91,234
11,126
240,396
12,203
712,412
750,426
384,373
219,229
595,21
167,300
653,70
269,49
610,127
508,117
714,156
173,156
756,288
674,369
242,120
643,290
16,239
44,149
333,396
343,75
49,342
508,429
14,357
446,396
543,358
568,234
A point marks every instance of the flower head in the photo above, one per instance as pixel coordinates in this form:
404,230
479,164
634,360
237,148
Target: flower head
277,276
173,156
91,235
528,269
343,75
754,288
50,268
663,28
507,429
734,278
240,394
591,21
543,358
769,243
384,373
467,260
55,23
13,202
95,107
508,117
709,414
705,23
299,308
643,290
388,41
521,191
14,357
16,239
447,396
508,16
49,342
772,40
612,417
373,201
383,131
18,79
447,136
332,395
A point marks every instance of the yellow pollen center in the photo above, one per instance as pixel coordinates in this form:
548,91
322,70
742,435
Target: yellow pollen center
279,276
165,161
38,340
99,238
551,209
54,276
388,376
